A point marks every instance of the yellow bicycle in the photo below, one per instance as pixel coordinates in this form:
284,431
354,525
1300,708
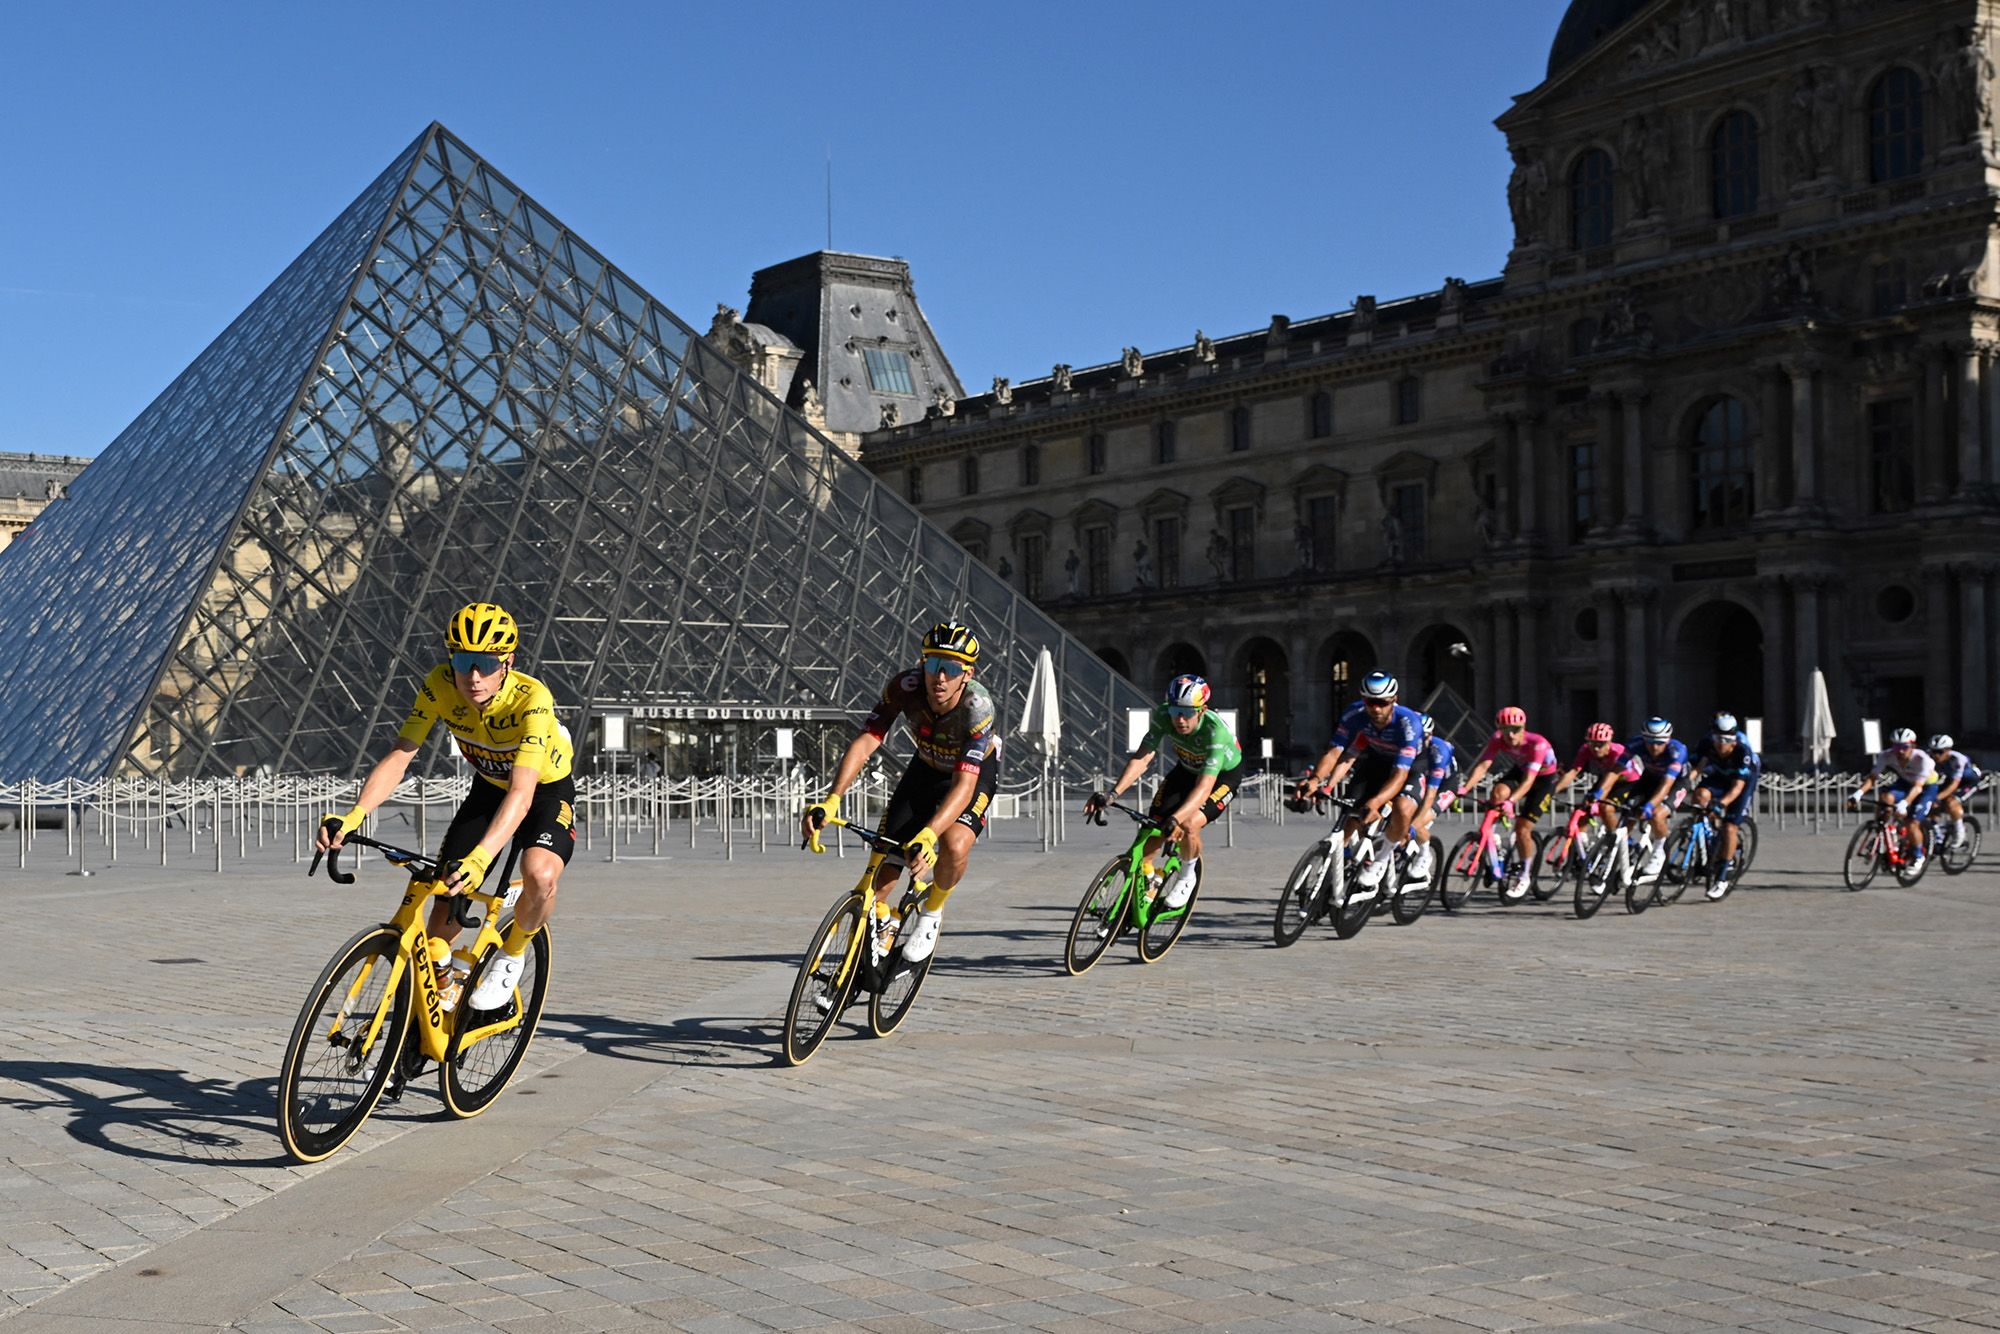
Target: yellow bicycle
853,952
376,1015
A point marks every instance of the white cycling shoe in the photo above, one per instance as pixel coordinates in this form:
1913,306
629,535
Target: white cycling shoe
497,983
1181,888
917,946
1418,867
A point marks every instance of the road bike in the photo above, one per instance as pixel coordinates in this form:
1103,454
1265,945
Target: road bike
1483,857
1125,895
855,951
375,1015
1564,855
1953,858
1336,888
1611,865
1878,846
1694,855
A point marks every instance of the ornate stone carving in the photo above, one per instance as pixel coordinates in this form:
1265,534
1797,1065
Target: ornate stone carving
1452,299
1527,193
942,403
1812,125
1142,565
1132,364
1204,347
1217,553
1061,376
1643,149
1790,288
1280,331
1623,324
1392,538
1003,390
1718,22
891,416
1364,314
1965,75
809,400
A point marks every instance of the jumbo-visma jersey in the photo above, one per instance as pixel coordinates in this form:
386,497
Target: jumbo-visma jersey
517,726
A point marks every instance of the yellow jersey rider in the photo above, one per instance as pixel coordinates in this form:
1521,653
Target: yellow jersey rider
939,807
505,725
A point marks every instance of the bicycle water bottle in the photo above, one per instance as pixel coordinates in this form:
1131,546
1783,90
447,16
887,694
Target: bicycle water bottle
449,982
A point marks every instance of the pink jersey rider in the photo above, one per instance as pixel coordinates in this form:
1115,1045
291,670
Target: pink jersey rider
1529,755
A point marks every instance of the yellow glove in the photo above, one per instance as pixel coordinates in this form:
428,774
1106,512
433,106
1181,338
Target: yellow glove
340,826
923,846
816,816
468,872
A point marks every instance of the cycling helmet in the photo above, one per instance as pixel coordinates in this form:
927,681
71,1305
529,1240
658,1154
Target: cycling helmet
1902,736
1598,732
953,639
1725,722
1187,692
1658,729
1380,685
1430,726
1512,716
1942,741
482,627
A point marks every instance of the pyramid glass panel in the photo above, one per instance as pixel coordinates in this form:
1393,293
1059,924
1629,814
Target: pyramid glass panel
450,397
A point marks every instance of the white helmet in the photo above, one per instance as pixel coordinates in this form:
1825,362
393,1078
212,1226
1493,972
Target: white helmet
1902,736
1942,741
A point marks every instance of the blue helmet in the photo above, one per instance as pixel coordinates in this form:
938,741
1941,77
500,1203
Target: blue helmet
1658,729
1430,726
1380,685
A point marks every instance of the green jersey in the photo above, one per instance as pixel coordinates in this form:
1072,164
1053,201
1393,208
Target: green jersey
1209,749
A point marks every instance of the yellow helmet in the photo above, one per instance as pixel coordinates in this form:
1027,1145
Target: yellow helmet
482,627
953,640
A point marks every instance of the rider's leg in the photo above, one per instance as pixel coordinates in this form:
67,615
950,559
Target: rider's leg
1181,887
954,850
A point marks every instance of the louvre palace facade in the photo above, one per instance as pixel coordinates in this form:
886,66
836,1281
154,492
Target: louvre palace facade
1730,413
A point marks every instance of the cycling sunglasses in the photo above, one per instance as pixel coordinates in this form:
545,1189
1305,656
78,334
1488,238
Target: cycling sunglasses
949,668
483,663
1184,710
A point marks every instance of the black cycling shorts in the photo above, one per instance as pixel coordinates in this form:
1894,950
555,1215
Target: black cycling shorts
1532,803
921,791
550,822
1174,790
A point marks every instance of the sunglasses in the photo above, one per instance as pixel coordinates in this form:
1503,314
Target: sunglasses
1380,703
949,668
1185,710
485,664
1513,729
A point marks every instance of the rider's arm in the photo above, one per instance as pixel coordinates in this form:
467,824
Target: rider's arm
1133,768
379,785
1563,780
852,763
1197,795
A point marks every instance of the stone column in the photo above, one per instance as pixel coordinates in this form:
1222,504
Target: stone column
1991,477
1638,652
1772,594
1521,439
1933,470
1805,434
1973,658
1633,454
1770,441
1971,453
1485,657
1610,698
1507,653
1940,653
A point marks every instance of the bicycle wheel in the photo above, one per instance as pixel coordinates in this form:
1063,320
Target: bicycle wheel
1639,891
335,1069
1167,924
1543,887
1746,845
1351,903
1864,856
1300,902
1462,871
1912,870
887,1006
1956,859
1100,918
820,993
1414,896
1686,860
478,1065
1593,878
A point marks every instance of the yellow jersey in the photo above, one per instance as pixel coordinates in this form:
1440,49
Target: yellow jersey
517,726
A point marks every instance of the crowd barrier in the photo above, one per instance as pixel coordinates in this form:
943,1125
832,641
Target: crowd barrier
625,816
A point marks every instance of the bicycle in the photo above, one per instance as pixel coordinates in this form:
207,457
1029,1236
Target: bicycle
1878,846
1564,855
836,967
375,1014
1318,885
1953,858
1479,858
1123,896
1610,865
1694,856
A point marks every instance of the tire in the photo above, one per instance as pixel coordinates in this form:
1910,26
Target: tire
326,1088
1413,897
1957,861
819,993
1166,926
472,1075
1906,877
1349,915
1101,917
1864,856
1746,846
1300,902
1679,871
1462,872
888,1006
1639,892
1543,886
1591,891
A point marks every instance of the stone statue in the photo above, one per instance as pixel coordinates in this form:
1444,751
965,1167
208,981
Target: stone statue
1526,190
942,403
55,490
1364,314
1620,323
1302,547
1482,524
1142,565
809,401
1642,150
1799,12
1452,299
1204,346
1812,131
891,416
1719,23
1217,553
1072,566
1790,286
1005,569
1061,377
1965,88
1132,364
727,318
1392,538
1003,392
1280,332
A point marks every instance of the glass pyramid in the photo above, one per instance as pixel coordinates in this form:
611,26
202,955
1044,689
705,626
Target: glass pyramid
450,397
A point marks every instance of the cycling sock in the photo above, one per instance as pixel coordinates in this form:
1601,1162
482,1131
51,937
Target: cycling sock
516,940
934,901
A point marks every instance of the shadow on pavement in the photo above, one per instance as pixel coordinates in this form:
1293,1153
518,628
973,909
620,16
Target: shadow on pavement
165,1115
712,1040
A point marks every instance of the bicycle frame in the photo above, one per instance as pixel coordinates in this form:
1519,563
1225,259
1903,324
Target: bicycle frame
1145,909
880,850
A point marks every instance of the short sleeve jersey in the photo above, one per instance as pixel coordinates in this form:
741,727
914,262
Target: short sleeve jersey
1957,764
1399,736
517,726
960,740
1597,766
1740,764
1671,762
1439,763
1530,755
1209,749
1914,769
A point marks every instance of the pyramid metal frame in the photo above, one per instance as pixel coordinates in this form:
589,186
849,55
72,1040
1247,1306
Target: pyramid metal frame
450,397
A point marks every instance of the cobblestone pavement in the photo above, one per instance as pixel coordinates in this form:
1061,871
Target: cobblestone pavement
1774,1113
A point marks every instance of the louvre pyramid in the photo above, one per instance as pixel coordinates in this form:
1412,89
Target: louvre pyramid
450,397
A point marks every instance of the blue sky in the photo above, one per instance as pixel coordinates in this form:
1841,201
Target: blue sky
1064,179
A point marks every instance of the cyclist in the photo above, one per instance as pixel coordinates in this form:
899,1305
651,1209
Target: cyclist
1654,763
505,724
1529,782
1208,765
938,807
1437,767
1604,760
1909,794
1725,775
1378,739
1959,780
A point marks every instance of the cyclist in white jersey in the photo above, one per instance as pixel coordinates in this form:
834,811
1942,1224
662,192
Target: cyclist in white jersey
1909,793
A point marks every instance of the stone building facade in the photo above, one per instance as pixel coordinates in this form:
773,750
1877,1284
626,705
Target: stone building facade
29,484
1731,413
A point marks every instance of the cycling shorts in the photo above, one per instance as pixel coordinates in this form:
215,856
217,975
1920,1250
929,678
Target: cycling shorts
1967,791
1181,781
550,822
1375,769
1715,785
922,790
1920,802
1531,803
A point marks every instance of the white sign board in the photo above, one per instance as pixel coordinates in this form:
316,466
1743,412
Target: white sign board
1754,729
784,742
1871,735
613,731
1266,743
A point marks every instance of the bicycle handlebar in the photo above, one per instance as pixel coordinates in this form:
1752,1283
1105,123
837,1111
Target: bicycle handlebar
881,843
420,866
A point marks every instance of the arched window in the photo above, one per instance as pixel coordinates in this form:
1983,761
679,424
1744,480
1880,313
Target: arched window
1590,200
1895,125
1723,475
1732,157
